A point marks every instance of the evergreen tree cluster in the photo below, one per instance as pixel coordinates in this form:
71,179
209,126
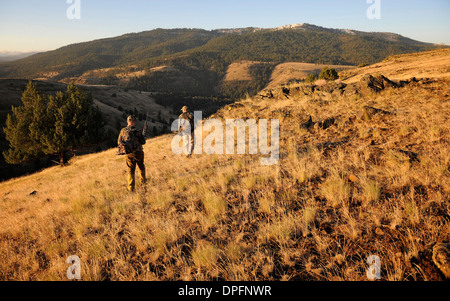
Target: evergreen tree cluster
52,124
328,74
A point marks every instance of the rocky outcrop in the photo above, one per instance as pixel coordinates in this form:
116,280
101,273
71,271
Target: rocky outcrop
332,88
307,122
367,85
370,83
325,123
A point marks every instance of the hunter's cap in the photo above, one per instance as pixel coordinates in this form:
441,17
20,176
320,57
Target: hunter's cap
185,108
131,118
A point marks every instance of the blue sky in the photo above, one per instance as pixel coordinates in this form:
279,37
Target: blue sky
37,25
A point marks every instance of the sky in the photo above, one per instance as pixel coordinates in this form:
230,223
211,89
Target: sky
40,25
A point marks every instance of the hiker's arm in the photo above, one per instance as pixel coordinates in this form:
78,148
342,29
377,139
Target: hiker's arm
119,140
141,138
183,124
180,128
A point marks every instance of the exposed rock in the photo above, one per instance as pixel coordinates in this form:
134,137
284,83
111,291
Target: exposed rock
306,122
376,84
368,84
369,112
441,258
283,112
352,89
325,124
266,94
332,87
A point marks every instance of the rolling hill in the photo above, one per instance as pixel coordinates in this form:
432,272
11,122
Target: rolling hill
199,59
402,67
363,170
115,102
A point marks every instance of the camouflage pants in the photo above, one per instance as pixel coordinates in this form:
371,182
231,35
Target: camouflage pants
136,158
188,143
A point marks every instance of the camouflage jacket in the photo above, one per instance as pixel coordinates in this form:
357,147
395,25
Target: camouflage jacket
138,141
186,116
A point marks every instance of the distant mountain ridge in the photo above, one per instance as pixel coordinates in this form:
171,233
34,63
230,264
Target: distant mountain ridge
9,56
201,57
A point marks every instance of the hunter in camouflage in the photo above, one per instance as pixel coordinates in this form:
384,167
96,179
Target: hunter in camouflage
133,140
186,128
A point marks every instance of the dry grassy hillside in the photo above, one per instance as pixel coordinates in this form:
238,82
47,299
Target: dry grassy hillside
351,182
240,71
286,72
433,63
282,73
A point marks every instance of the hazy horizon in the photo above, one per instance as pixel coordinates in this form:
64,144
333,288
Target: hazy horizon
53,23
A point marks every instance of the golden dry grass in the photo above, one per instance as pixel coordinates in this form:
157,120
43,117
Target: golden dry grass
337,196
240,71
432,63
285,72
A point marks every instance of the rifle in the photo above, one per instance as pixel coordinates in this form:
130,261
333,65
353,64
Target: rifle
144,130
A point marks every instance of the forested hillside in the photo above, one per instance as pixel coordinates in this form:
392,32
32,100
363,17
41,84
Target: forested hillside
200,58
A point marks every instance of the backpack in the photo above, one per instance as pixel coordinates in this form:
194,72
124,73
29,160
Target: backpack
190,118
129,142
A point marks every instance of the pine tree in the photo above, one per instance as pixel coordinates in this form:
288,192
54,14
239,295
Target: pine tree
328,74
23,127
311,78
52,125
